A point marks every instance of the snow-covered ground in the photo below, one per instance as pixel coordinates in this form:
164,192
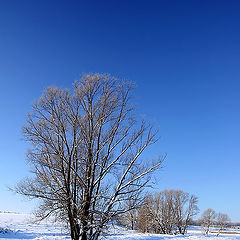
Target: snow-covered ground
22,226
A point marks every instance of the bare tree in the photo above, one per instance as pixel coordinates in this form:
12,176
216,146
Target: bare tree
170,211
86,154
208,219
185,207
130,216
163,211
222,221
145,219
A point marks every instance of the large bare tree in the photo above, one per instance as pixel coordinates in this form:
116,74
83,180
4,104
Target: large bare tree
86,154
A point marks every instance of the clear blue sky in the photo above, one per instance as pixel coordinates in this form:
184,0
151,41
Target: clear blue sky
184,57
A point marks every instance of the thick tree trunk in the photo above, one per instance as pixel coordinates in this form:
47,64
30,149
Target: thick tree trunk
74,226
84,236
75,232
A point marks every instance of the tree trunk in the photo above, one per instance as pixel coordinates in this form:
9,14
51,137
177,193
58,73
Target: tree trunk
74,226
75,232
84,235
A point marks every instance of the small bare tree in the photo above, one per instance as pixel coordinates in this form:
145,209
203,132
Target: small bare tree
208,219
170,211
185,207
163,211
86,154
130,216
222,221
145,219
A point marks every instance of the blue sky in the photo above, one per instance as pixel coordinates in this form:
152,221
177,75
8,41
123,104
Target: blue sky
184,57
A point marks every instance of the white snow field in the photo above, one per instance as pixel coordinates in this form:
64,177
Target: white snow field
22,226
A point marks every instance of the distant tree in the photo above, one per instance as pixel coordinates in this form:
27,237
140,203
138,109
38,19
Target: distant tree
163,211
145,219
85,156
130,216
222,221
170,211
208,219
185,207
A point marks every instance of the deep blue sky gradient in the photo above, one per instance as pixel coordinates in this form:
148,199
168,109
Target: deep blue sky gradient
184,57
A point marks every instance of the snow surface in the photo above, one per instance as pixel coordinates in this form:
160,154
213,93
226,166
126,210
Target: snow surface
22,226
